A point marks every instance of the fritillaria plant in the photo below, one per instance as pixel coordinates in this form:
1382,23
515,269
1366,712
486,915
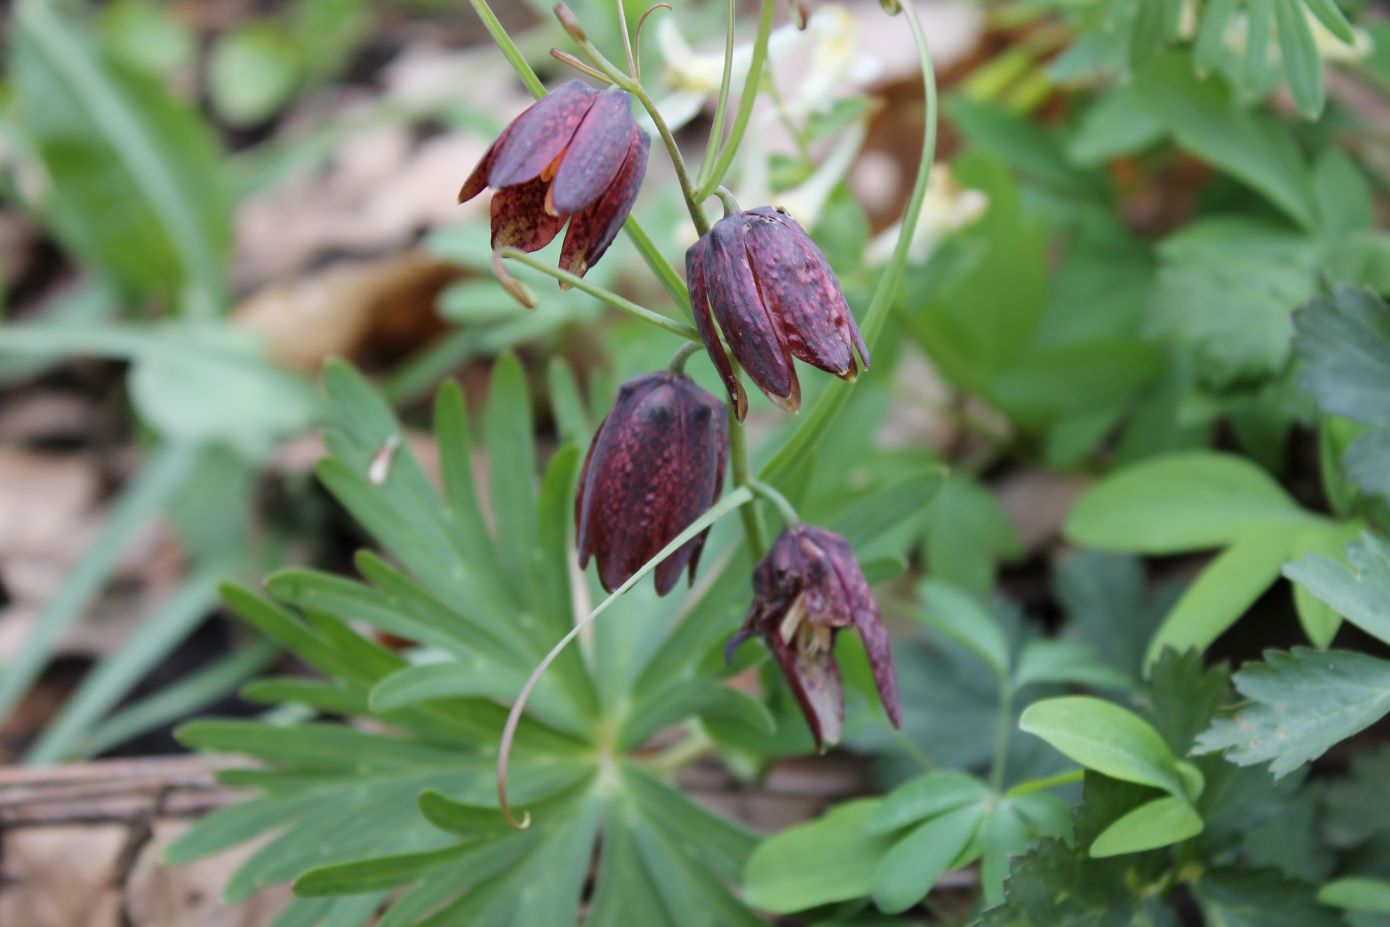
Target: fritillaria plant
760,294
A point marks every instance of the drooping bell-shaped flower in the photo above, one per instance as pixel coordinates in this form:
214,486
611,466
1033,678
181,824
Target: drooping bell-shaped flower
805,590
655,465
574,155
771,291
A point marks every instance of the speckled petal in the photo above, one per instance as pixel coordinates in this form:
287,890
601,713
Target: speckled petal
519,218
701,433
595,154
753,336
477,181
704,324
593,230
654,467
801,292
539,135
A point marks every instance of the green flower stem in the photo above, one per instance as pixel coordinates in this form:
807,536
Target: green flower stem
745,105
611,71
683,353
509,50
790,518
753,530
1003,726
620,303
721,107
654,258
831,401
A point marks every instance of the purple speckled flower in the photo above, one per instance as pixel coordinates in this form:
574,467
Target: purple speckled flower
655,465
574,155
805,590
761,277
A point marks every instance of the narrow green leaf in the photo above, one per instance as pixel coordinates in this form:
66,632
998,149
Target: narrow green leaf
1067,663
370,875
114,677
183,698
511,470
1331,16
1211,34
1106,738
157,481
1302,63
1154,824
103,131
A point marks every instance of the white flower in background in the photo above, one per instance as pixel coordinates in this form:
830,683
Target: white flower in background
806,201
837,69
694,77
948,207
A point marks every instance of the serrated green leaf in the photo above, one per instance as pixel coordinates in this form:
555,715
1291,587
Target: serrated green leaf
1181,502
1260,898
1158,823
1300,704
1106,738
1344,341
1359,593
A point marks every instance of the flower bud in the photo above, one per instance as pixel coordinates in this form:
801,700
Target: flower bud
655,465
761,277
577,156
805,590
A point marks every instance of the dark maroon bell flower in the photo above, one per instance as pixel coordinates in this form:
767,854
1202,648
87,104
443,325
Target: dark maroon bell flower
575,155
759,275
805,590
655,465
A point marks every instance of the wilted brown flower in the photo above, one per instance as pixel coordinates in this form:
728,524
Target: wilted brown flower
805,590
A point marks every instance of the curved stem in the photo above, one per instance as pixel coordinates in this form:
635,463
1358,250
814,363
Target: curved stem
790,518
730,204
692,203
832,400
722,105
683,353
620,303
745,104
627,38
736,499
